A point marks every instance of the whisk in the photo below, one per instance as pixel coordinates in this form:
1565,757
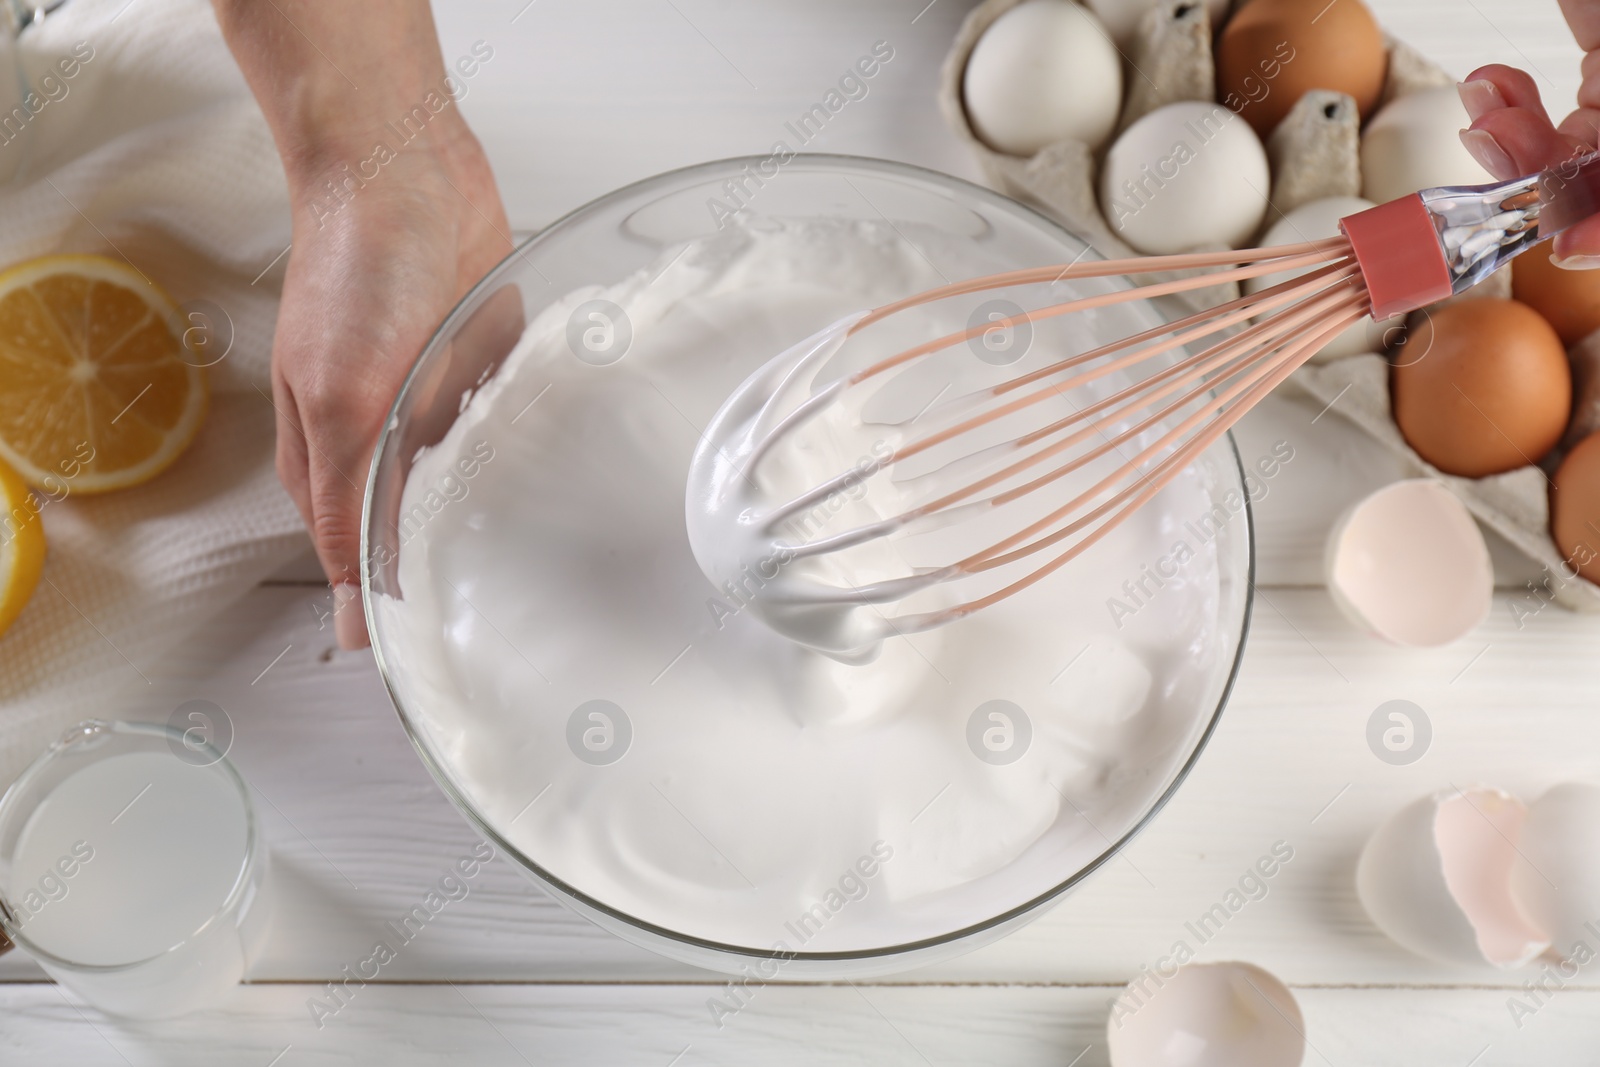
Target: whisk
1192,379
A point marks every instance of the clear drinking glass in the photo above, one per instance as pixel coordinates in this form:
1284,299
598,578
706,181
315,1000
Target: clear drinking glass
132,868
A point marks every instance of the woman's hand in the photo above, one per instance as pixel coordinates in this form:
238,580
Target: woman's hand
395,217
1512,134
367,285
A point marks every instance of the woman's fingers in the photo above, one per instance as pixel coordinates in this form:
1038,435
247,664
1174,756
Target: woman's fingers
1511,133
1513,87
1582,127
1514,141
341,410
290,453
336,501
330,502
1578,246
1583,16
1504,103
1480,96
1589,87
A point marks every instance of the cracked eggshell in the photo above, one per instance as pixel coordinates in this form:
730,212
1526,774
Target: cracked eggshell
1207,1015
1409,564
1556,877
1436,878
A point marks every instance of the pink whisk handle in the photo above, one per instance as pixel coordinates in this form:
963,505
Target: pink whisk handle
1426,246
1401,258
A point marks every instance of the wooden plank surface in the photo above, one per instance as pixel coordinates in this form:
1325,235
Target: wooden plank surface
671,1026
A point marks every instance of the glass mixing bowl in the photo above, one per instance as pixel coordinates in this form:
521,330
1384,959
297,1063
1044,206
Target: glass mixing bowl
615,237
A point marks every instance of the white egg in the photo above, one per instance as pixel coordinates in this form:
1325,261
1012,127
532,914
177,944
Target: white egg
1121,17
1409,564
1186,176
1437,879
1557,875
1316,221
1045,71
1414,143
1207,1015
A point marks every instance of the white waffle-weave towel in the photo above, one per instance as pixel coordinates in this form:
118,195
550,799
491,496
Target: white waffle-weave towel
153,152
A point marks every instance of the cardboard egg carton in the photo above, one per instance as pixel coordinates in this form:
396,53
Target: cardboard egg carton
1314,153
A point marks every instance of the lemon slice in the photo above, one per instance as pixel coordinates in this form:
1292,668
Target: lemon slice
97,392
21,547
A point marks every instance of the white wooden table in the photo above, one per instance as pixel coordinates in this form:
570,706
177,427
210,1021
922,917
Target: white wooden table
581,97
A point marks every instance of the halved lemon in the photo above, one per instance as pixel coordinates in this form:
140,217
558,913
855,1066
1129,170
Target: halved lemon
21,546
97,391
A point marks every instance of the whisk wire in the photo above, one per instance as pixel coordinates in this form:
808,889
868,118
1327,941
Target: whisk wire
1216,361
1238,362
1153,481
1192,328
1223,381
1283,257
1299,350
1283,293
1219,404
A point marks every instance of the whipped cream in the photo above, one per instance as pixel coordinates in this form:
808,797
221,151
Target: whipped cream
641,734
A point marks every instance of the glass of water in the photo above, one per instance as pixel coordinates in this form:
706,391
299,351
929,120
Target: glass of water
132,868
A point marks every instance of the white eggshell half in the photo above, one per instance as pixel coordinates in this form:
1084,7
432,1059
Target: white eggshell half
1045,71
1316,221
1207,1015
1121,17
1409,564
1556,878
1436,878
1415,143
1189,175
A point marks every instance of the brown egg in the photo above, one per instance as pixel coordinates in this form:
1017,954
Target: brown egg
1481,387
1575,508
1568,299
1272,51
